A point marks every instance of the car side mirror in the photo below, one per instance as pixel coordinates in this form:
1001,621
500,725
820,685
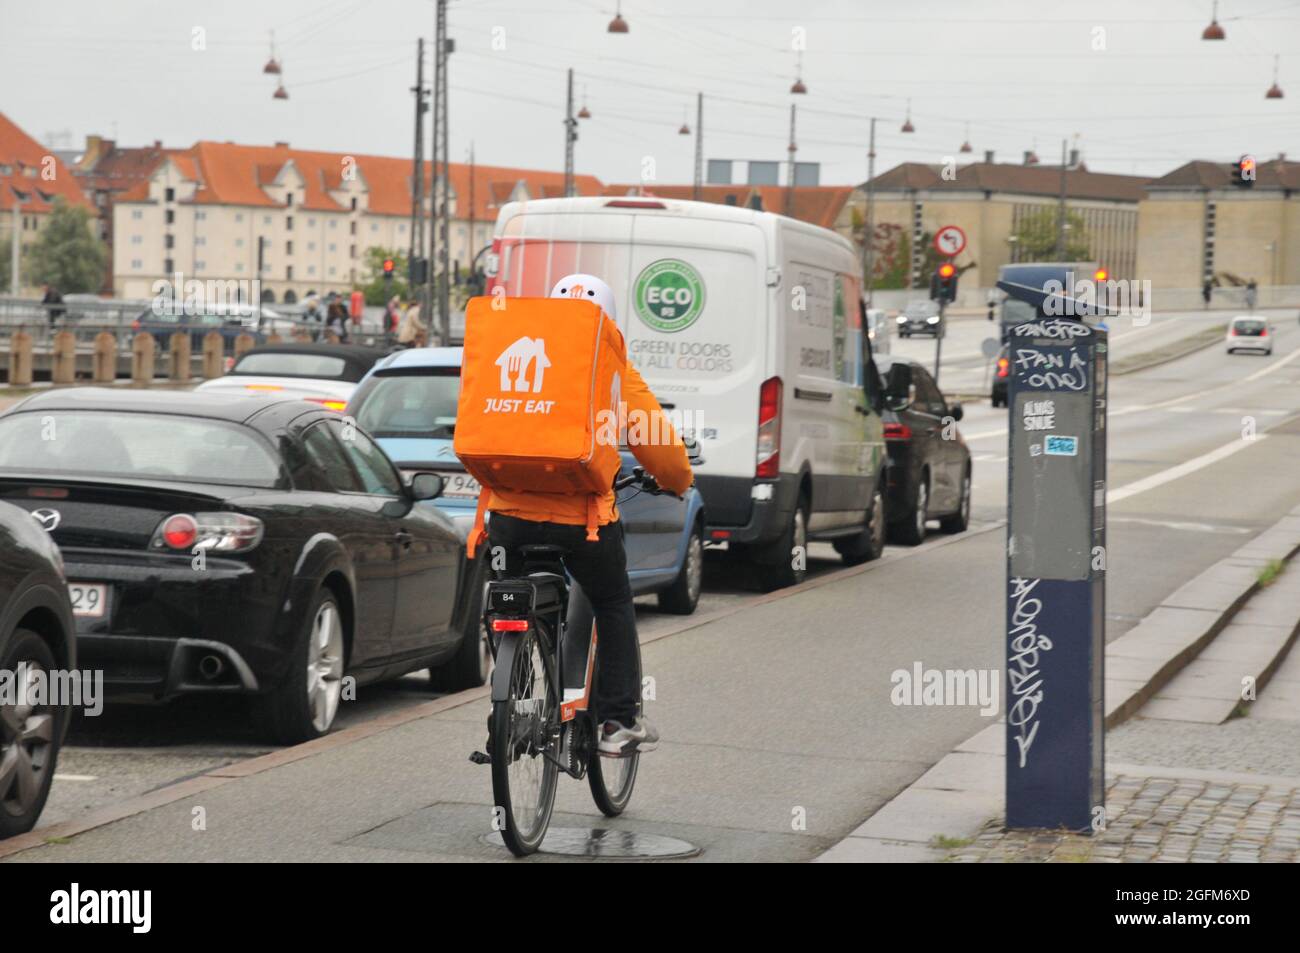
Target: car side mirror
898,386
426,486
693,454
955,410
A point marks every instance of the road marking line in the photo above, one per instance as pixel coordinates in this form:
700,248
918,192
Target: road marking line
1181,470
75,777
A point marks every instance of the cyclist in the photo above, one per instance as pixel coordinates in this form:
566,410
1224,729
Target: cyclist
522,518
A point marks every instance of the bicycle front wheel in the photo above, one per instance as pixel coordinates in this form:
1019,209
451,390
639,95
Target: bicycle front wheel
612,779
524,771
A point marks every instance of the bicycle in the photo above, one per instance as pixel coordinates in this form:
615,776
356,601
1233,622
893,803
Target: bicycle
543,638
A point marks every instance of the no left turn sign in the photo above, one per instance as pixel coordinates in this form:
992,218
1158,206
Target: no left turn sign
949,241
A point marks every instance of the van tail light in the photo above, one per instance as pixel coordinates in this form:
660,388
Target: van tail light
769,428
1263,332
214,532
634,203
1004,366
1232,332
898,432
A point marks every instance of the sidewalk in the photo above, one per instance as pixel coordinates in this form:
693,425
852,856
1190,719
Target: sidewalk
1194,671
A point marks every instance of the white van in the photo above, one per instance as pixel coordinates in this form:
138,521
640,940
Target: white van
749,327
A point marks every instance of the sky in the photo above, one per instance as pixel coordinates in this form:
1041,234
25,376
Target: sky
1130,83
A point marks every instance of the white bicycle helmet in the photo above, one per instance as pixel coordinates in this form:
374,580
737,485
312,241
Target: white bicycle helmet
588,287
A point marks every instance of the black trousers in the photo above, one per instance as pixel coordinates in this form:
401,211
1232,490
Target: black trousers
600,568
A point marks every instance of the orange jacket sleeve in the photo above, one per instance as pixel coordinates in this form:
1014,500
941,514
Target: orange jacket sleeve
651,437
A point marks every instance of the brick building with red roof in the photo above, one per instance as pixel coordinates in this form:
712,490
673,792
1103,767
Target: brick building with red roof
32,178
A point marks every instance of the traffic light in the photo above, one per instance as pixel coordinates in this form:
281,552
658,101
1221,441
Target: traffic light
1243,173
1101,274
388,269
943,287
418,271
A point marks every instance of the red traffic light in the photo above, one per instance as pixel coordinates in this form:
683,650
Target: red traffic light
388,267
1101,274
947,270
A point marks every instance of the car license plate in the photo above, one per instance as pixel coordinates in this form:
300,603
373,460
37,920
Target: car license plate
460,485
89,599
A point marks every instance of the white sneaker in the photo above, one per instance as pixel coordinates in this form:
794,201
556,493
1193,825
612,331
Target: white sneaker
619,741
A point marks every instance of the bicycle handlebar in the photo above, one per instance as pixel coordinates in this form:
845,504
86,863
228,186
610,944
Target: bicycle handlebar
639,478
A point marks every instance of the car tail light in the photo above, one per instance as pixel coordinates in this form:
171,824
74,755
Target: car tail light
329,403
1004,367
769,428
898,432
509,625
1263,332
135,325
214,532
1232,332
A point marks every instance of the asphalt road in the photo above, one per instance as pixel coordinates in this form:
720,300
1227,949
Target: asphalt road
780,735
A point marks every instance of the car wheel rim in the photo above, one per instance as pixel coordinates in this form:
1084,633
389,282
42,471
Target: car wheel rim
325,667
965,498
922,504
26,739
878,519
800,540
694,567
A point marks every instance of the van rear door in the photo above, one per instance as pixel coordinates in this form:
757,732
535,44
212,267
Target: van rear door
697,321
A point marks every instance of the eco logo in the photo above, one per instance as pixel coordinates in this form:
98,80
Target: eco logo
668,295
514,362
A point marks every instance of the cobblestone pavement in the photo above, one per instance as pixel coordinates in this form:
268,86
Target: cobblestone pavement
1174,820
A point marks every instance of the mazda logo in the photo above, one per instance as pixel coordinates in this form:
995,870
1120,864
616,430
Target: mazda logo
48,518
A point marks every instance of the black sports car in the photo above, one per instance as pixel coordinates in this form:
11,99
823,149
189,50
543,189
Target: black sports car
240,544
36,640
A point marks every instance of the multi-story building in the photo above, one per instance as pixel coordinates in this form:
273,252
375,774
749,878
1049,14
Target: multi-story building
998,206
203,211
32,178
1196,225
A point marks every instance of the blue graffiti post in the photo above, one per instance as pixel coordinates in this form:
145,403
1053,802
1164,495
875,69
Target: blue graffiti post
1056,535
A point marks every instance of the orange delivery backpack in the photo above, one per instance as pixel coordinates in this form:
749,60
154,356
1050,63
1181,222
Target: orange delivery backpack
540,384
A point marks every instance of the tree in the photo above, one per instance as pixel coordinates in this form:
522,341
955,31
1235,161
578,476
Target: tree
1036,236
374,287
67,254
891,257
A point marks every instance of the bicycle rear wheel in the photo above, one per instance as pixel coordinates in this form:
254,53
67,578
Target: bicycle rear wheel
524,771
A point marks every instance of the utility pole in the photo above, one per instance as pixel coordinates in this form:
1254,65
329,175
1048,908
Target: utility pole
699,147
417,176
470,246
789,181
1060,209
13,250
570,137
869,237
438,236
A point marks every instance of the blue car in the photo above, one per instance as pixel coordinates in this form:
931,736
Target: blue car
408,404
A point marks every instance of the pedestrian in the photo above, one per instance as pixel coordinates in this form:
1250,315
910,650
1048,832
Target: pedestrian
993,302
1252,293
413,332
336,320
53,302
1206,291
392,317
311,316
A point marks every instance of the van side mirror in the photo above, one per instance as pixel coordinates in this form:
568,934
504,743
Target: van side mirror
898,388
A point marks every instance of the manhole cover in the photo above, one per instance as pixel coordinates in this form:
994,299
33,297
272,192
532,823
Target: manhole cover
604,842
